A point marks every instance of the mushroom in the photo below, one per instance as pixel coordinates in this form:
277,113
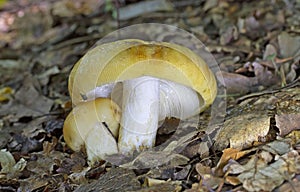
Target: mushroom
157,80
92,125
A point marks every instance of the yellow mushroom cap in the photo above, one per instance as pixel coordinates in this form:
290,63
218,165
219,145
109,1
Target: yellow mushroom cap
132,58
85,116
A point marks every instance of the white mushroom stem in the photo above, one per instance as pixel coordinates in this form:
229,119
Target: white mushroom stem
148,100
140,112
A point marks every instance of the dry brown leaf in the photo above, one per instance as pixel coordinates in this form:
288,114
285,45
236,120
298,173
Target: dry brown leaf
273,164
34,183
278,147
152,182
168,172
45,164
234,83
264,76
79,177
148,159
266,177
253,27
32,99
116,179
211,182
294,136
241,131
233,180
208,179
229,34
293,185
202,169
229,154
286,123
162,187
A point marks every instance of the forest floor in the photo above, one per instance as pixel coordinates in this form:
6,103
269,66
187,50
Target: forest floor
253,145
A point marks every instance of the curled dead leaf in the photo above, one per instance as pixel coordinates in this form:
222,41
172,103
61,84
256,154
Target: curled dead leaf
286,123
243,130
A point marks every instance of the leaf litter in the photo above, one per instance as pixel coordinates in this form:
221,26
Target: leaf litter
256,45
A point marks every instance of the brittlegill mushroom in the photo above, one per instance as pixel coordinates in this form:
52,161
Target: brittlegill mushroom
92,125
148,80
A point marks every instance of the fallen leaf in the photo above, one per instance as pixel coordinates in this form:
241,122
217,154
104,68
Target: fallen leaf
7,161
267,177
31,98
230,34
286,123
293,185
161,186
295,137
278,147
152,182
28,102
137,9
183,173
210,4
288,45
229,154
243,130
116,179
234,83
253,27
203,149
269,167
168,172
211,182
208,179
9,167
233,180
79,177
149,159
202,169
270,51
37,182
264,76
